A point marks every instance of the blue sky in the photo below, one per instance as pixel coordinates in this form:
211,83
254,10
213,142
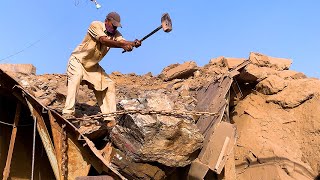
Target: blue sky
47,32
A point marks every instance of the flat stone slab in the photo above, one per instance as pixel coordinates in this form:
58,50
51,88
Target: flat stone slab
233,62
179,71
271,62
271,85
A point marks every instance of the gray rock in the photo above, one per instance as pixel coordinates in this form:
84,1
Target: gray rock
156,138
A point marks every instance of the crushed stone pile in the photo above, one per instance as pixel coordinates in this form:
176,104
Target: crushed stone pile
277,118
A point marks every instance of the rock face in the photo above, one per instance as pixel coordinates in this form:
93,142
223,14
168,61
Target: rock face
295,94
278,124
155,138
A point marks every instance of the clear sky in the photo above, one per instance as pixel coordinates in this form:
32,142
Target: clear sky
44,33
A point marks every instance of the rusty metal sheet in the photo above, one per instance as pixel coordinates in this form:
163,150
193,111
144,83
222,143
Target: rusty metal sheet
103,160
46,140
89,152
76,164
86,147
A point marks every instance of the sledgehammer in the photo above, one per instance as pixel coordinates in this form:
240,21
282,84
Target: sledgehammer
166,25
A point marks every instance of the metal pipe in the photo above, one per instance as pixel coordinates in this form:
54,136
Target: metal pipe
33,146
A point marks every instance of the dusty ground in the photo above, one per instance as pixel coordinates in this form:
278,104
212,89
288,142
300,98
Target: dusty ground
278,121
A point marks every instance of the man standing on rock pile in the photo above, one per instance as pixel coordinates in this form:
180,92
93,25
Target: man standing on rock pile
83,65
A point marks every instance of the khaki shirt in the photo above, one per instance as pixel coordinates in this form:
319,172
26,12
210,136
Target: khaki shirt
91,51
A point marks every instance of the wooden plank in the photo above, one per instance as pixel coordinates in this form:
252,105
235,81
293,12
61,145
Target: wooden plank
237,90
213,100
219,147
6,170
240,66
198,170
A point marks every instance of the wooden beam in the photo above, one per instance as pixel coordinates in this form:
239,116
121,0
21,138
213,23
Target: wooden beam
6,170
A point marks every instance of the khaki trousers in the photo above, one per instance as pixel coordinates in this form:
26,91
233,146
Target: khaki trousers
76,73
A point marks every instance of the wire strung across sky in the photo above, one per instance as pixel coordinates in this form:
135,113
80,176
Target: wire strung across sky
18,52
34,43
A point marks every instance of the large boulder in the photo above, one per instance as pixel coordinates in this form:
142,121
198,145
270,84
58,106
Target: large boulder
156,138
271,139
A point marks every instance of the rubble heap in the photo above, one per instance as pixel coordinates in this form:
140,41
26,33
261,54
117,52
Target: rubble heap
277,115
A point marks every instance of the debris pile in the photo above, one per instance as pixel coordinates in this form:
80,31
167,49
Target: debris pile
272,112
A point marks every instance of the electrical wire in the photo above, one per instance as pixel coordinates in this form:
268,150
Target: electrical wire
24,49
76,3
8,124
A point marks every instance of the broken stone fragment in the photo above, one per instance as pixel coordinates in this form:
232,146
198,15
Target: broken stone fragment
179,71
156,138
197,73
19,68
271,85
116,73
289,74
252,73
39,93
217,61
271,62
233,62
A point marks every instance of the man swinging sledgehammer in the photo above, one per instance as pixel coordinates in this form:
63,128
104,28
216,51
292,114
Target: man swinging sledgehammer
83,65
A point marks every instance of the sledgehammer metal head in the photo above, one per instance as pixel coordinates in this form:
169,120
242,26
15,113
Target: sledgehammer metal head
166,22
